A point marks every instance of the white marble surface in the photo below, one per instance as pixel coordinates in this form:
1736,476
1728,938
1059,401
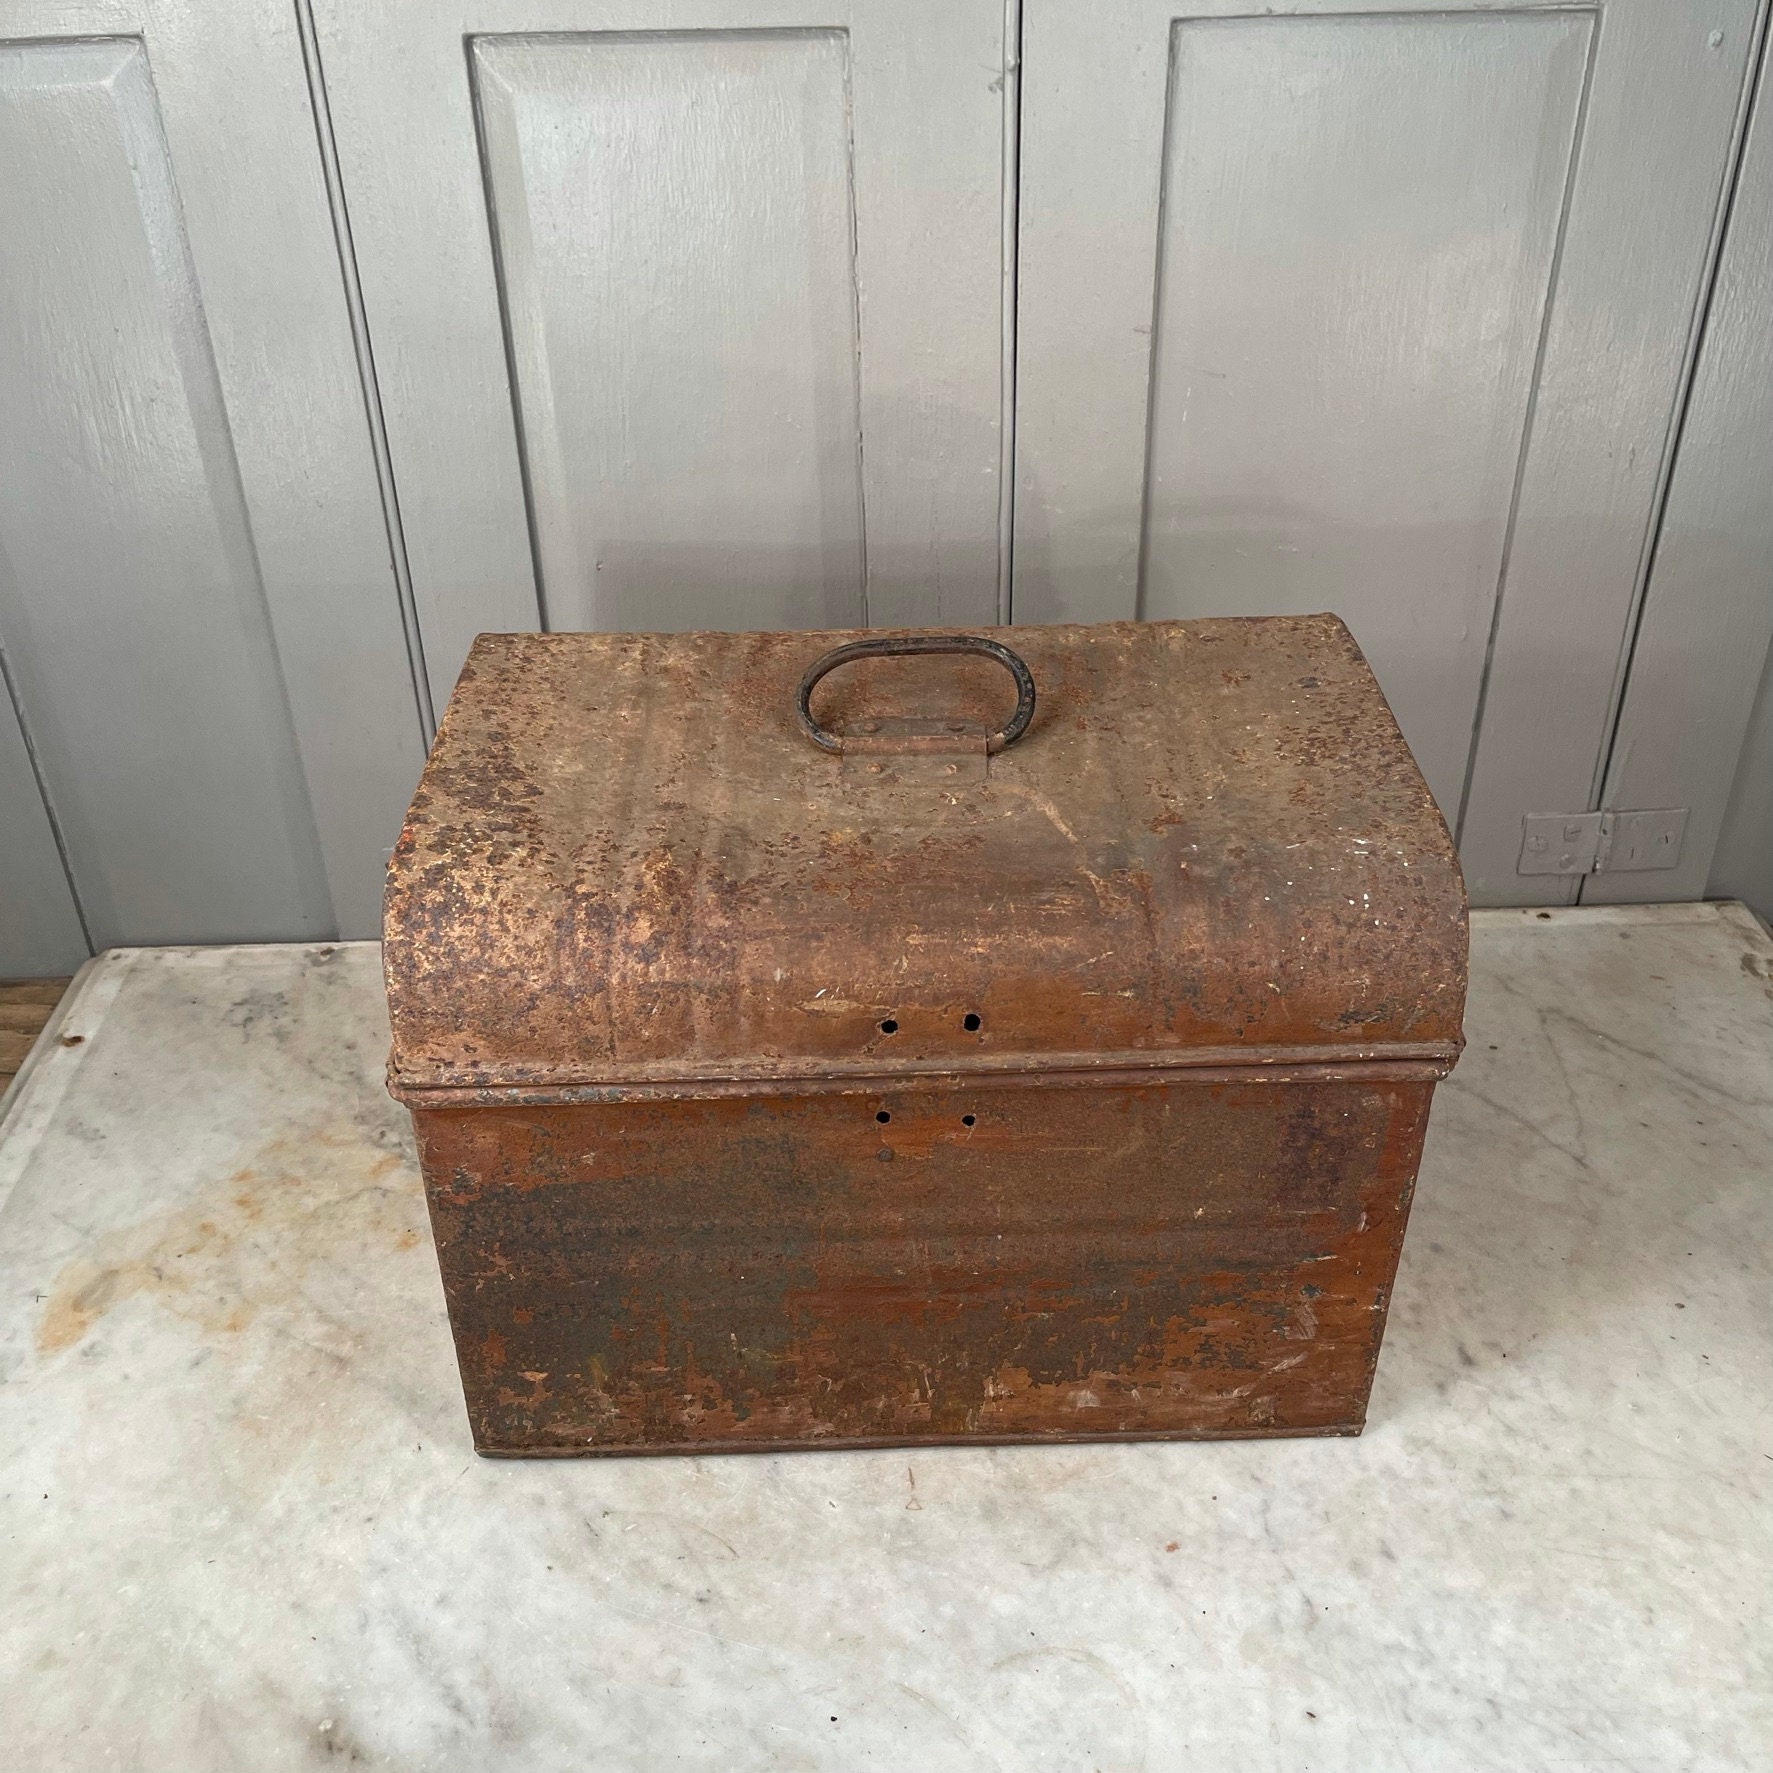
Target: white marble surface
240,1526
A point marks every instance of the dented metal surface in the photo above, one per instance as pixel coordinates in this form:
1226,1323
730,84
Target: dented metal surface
772,1094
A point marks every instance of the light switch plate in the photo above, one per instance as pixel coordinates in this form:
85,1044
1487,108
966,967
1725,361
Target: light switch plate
1559,843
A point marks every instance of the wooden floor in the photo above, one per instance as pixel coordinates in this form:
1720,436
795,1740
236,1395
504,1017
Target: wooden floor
25,1005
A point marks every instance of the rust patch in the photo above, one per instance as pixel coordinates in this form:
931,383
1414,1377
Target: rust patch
1200,1258
1213,834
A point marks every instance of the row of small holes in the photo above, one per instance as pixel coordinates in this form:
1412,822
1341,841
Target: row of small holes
966,1120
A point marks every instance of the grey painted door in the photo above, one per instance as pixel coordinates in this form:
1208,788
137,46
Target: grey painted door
687,313
203,641
1384,310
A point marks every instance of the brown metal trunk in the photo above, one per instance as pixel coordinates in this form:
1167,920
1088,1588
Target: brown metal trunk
893,1075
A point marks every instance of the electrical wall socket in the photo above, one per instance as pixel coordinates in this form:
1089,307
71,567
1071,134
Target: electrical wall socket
1601,843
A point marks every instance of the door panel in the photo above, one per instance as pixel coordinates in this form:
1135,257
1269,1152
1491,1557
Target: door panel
1663,112
119,428
194,574
1335,308
723,426
704,329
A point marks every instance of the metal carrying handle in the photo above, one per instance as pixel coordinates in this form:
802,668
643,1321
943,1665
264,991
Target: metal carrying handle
889,647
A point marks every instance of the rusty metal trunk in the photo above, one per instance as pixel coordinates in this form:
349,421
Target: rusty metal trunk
850,1040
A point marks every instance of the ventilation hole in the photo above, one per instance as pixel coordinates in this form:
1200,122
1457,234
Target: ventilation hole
970,1021
969,1120
889,1026
883,1117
